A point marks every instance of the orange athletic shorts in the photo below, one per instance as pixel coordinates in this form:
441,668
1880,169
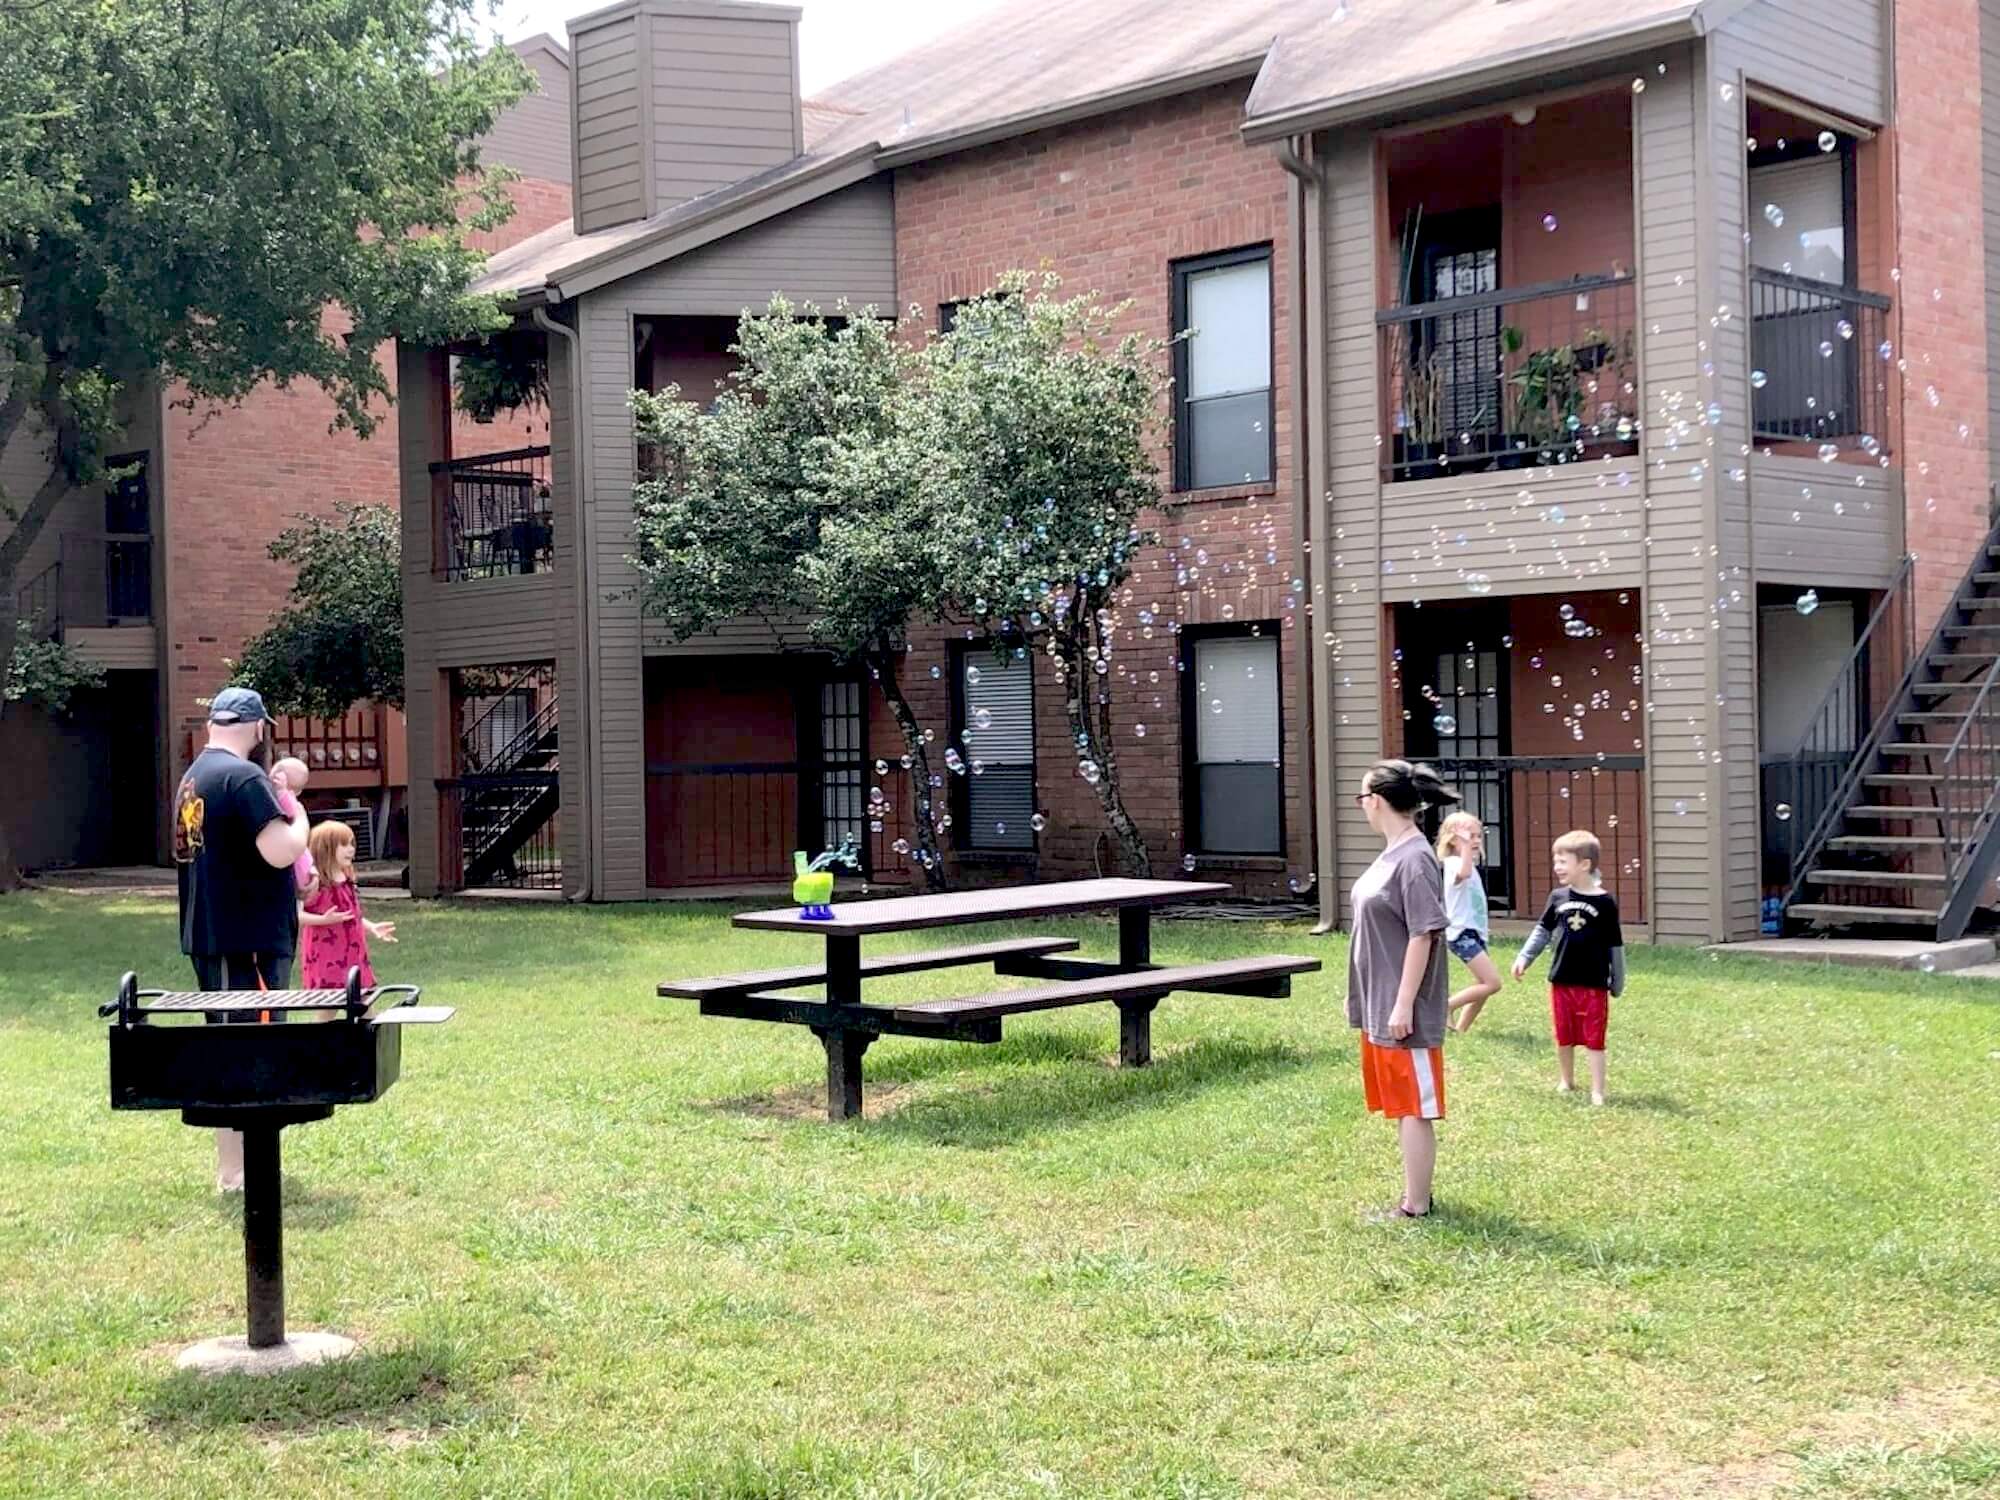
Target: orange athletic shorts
1400,1081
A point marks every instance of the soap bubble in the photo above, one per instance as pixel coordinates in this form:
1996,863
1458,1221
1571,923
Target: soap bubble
1445,725
982,718
1556,516
1844,328
1807,602
1826,348
901,846
1758,379
1549,223
1680,809
1478,583
1187,862
881,768
1828,452
1139,730
1038,822
1638,85
1927,962
1828,140
972,676
937,672
1088,771
1782,812
1775,214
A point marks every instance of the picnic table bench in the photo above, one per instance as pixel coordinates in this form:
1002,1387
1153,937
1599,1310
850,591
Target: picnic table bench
847,1026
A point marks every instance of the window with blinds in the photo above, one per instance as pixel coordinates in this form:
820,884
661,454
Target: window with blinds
1236,789
993,730
1222,370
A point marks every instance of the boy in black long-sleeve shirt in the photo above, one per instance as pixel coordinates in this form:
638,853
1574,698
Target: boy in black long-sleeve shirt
1589,965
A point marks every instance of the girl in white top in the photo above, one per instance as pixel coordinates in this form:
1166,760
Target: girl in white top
1461,838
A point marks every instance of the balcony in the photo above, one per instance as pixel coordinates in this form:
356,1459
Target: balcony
1507,379
100,580
1820,361
494,515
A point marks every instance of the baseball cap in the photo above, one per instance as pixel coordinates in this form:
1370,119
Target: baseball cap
237,705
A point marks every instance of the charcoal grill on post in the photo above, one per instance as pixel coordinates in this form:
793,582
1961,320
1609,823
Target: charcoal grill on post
258,1079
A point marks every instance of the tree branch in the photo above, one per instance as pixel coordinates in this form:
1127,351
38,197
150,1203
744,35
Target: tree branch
30,525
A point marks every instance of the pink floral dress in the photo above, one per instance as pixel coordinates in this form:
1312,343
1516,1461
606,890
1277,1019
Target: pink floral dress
329,952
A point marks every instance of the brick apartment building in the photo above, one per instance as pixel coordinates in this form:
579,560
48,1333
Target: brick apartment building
161,578
1568,385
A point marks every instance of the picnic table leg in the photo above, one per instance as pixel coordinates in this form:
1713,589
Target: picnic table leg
844,1051
1135,1033
1135,936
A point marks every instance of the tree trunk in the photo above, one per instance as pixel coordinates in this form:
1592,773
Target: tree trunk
1082,694
882,661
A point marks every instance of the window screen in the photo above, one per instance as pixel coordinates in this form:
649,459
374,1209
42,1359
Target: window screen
1237,746
997,695
1223,435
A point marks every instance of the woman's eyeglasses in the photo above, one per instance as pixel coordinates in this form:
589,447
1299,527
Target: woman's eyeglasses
1361,798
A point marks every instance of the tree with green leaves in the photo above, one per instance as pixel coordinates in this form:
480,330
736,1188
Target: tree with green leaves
1035,421
216,195
338,641
788,501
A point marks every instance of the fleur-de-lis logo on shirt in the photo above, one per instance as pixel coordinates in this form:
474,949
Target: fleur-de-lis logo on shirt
1576,921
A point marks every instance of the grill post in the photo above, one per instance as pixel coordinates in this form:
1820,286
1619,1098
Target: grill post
263,1236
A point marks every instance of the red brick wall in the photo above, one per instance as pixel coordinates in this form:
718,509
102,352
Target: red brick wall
1108,206
237,477
1941,296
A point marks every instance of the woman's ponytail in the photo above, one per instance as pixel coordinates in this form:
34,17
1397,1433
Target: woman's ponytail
1407,787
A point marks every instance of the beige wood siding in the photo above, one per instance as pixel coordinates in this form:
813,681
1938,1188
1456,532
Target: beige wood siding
1859,546
1437,531
841,246
724,104
607,74
1832,53
533,136
487,621
741,637
419,439
1679,573
1733,784
572,689
1351,575
127,648
617,708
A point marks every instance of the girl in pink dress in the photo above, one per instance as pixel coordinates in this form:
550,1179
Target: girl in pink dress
333,933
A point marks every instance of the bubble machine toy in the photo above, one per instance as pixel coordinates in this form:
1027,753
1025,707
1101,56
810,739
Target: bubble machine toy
812,883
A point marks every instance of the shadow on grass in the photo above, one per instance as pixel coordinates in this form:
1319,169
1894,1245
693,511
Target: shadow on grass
413,1386
1076,1096
306,1206
1516,1040
1658,1104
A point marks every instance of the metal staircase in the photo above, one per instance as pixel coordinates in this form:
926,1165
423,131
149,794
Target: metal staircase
507,799
1906,841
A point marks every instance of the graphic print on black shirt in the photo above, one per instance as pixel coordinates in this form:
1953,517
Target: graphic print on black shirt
231,900
1583,928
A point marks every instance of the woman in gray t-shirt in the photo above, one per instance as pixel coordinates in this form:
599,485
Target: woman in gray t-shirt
1396,970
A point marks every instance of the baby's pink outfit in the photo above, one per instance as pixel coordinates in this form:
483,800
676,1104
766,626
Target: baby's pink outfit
302,867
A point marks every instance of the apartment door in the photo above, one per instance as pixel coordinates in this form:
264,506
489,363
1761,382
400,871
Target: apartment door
1462,259
1455,690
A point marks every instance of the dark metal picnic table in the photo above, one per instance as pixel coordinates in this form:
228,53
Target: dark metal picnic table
847,1026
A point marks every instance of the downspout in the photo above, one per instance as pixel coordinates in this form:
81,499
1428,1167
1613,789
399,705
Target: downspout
580,510
1315,678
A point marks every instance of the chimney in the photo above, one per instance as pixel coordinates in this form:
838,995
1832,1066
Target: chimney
675,98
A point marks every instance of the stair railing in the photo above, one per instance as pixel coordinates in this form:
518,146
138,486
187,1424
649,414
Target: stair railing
1902,698
472,740
1968,798
1839,718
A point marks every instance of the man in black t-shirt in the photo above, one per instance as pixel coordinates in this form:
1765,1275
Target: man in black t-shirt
235,848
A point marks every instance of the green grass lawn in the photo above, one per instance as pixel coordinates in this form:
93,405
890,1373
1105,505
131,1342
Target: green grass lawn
595,1245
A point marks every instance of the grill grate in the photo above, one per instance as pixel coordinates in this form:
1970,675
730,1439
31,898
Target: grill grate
248,1000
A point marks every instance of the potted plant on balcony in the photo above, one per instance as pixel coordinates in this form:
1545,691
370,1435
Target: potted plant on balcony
1420,442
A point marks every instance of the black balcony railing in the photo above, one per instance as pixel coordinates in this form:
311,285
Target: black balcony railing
494,515
1506,379
99,579
1528,801
1820,363
501,831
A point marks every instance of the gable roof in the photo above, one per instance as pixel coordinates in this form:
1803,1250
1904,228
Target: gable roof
1364,58
1030,64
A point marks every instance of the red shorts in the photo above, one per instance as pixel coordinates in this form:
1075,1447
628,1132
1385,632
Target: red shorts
1580,1015
1399,1081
